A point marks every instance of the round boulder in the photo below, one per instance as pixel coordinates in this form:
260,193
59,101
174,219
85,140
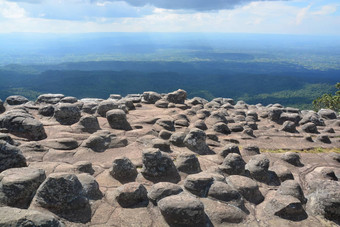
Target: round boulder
67,113
198,184
233,164
188,163
195,140
163,189
117,120
131,195
177,97
123,170
11,156
16,100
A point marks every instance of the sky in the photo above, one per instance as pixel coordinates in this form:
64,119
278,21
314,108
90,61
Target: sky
317,17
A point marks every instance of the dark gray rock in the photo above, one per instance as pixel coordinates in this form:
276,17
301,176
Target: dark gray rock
250,151
177,139
216,117
90,186
98,141
233,164
123,170
287,207
323,139
7,138
105,106
158,166
221,128
150,97
200,124
63,194
292,158
294,117
84,167
247,187
10,156
289,126
229,148
282,172
16,100
18,186
163,189
131,195
67,113
188,163
235,127
198,184
117,120
313,118
274,113
258,167
292,188
164,134
195,140
166,123
88,123
22,124
14,217
49,98
327,114
328,130
182,210
224,192
309,128
47,110
163,145
177,97
2,107
90,106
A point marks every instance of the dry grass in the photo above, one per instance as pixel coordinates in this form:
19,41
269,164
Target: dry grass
313,150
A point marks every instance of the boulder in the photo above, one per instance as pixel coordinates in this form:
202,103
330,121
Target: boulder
64,195
163,189
282,172
162,103
123,170
98,141
229,148
258,168
16,100
200,125
216,117
163,145
292,158
313,118
18,186
287,207
158,166
23,124
150,97
88,123
46,110
131,195
292,188
13,217
166,123
49,98
90,106
105,106
233,164
274,113
198,184
221,128
309,128
246,187
182,210
195,140
250,151
10,156
327,114
188,163
7,138
224,192
323,139
177,139
294,117
289,126
67,113
177,97
69,99
90,186
117,120
164,134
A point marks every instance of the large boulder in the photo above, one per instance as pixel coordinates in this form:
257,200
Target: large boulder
182,210
123,170
166,123
309,127
195,140
287,207
327,114
177,97
14,217
188,163
163,189
49,98
313,118
67,113
177,139
18,186
224,192
258,168
292,188
150,97
117,120
106,106
63,194
292,158
23,124
90,186
98,141
132,194
46,110
16,100
233,164
89,124
158,166
10,156
198,184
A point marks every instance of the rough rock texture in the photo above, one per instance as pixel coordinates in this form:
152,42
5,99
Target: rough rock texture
123,170
16,100
198,184
49,98
195,140
188,163
10,156
177,97
233,164
163,189
67,113
132,194
117,120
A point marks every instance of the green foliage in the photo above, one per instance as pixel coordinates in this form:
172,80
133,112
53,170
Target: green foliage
328,101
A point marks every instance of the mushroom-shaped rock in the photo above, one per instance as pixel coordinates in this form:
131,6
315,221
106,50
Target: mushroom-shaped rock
117,120
233,164
90,186
247,187
158,166
163,189
131,195
309,127
63,194
250,151
46,110
89,124
294,117
150,97
224,192
16,100
166,123
258,167
177,139
98,141
327,114
292,158
229,148
282,172
10,156
198,184
200,124
23,124
323,139
195,140
188,163
292,188
49,98
177,97
182,210
288,126
10,216
18,185
221,128
123,170
67,113
287,207
105,106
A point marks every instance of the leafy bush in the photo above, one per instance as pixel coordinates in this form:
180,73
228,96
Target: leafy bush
329,101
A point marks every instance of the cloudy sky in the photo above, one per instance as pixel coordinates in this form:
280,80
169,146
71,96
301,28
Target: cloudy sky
78,16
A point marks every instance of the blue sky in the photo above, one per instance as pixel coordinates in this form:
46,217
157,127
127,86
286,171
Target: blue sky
320,17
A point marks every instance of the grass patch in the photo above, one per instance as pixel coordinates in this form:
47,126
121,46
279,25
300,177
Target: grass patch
313,150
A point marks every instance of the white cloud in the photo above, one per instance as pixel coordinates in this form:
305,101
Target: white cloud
11,10
326,10
302,14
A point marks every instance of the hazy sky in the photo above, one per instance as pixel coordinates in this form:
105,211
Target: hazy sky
78,16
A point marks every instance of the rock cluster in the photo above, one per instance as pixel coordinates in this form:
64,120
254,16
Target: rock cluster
156,159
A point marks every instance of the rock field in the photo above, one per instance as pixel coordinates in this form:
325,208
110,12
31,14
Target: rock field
164,160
